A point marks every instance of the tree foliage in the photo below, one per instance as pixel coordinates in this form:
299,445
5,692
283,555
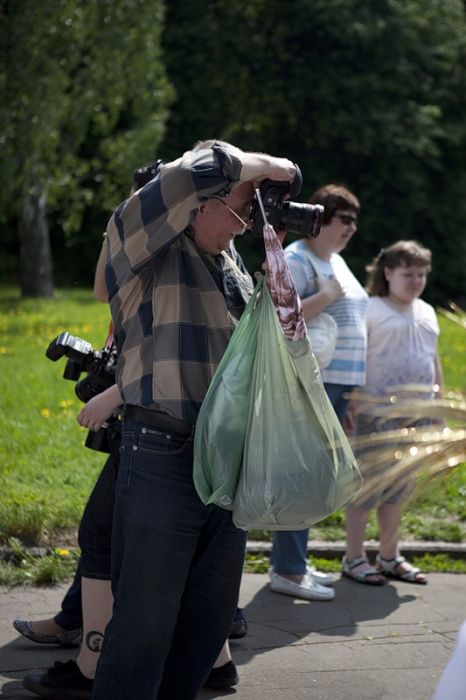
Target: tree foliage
85,99
371,94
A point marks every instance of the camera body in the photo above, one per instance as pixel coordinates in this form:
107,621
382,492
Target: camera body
99,366
302,219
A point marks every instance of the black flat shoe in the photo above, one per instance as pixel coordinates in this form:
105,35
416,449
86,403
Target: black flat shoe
63,681
223,677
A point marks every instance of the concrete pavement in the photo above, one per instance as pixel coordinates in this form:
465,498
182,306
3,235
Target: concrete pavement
369,643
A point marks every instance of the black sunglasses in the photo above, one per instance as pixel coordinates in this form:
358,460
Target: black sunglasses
346,219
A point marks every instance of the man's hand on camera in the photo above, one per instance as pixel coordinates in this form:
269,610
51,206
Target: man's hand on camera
100,408
261,166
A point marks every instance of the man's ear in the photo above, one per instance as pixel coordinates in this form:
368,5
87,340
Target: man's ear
206,205
203,208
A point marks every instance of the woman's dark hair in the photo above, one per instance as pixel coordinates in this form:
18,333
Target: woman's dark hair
143,175
399,254
333,198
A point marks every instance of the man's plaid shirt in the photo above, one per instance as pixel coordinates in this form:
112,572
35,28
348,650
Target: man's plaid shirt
172,322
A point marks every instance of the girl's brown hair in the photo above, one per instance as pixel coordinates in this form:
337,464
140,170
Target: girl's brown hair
399,254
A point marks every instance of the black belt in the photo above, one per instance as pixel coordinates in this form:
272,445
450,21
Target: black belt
158,420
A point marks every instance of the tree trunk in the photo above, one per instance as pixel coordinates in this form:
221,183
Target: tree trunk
36,278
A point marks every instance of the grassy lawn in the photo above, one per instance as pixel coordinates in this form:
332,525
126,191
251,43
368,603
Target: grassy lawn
46,473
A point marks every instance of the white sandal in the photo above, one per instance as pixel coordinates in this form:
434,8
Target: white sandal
361,576
388,568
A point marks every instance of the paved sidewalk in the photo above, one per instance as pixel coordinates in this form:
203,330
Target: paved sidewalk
368,644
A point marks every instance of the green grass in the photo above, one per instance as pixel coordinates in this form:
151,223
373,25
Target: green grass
60,564
22,568
452,348
46,473
438,563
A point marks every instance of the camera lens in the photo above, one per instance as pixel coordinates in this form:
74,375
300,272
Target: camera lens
302,219
87,388
72,370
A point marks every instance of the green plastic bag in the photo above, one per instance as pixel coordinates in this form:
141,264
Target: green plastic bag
221,424
268,444
298,466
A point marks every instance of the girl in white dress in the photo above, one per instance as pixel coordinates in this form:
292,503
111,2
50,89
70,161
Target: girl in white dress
402,333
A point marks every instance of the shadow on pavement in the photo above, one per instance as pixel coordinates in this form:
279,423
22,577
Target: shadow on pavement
277,620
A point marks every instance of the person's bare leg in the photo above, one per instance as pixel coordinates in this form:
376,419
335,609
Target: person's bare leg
389,517
356,521
224,657
97,600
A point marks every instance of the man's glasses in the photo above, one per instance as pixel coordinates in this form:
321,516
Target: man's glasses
245,210
346,219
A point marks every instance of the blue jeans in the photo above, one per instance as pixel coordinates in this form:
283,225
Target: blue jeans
289,550
176,572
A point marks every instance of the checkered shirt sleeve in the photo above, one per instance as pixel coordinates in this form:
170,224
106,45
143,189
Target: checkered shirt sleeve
171,322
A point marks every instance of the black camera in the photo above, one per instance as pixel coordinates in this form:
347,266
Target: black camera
99,366
303,219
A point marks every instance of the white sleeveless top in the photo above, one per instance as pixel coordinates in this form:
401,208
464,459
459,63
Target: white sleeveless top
401,345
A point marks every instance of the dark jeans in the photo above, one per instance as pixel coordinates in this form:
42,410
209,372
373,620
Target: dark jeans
95,528
70,616
176,572
95,531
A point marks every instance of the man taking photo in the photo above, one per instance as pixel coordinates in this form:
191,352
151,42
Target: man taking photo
177,288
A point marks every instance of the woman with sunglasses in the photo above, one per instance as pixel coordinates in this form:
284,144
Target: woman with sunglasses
325,283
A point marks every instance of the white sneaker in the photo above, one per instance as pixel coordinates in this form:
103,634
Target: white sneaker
320,576
308,589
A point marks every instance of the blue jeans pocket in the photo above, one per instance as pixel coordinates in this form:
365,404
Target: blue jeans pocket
159,442
150,451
